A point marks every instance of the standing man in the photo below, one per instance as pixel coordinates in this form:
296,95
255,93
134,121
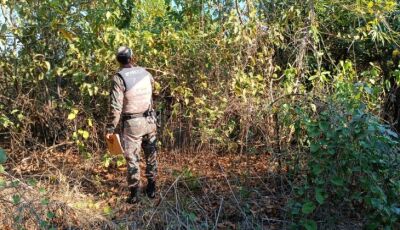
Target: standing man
131,100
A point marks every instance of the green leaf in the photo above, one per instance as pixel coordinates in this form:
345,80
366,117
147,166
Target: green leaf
310,225
44,224
44,201
190,216
314,147
16,199
3,156
42,190
310,79
2,169
3,28
107,210
337,181
316,169
323,125
319,196
14,183
107,162
120,162
2,183
32,182
331,151
51,215
308,207
313,131
377,203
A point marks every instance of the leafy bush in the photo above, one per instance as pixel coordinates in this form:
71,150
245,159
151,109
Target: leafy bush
353,166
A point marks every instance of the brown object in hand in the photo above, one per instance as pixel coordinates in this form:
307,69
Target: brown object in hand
114,145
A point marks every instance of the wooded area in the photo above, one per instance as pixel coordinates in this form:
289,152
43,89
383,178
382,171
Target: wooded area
274,114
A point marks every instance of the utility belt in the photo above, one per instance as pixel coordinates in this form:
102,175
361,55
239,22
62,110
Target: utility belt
129,116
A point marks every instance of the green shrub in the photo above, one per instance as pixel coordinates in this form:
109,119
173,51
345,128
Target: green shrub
350,166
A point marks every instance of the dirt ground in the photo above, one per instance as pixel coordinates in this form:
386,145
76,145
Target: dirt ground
66,190
196,191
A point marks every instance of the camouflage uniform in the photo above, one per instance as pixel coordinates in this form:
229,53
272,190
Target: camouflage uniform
131,99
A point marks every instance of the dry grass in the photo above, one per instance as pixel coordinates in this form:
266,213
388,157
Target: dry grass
197,191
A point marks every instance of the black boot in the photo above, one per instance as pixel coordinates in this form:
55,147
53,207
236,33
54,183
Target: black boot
151,189
134,196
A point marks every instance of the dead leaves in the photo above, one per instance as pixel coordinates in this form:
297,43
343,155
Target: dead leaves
245,183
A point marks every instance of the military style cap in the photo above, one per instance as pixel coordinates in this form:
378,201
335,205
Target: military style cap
124,51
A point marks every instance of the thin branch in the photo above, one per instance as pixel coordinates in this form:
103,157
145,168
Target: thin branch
238,11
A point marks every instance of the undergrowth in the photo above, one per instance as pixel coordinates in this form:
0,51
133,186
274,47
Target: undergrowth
210,192
308,88
351,168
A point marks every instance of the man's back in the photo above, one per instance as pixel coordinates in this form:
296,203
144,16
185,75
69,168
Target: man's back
138,90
